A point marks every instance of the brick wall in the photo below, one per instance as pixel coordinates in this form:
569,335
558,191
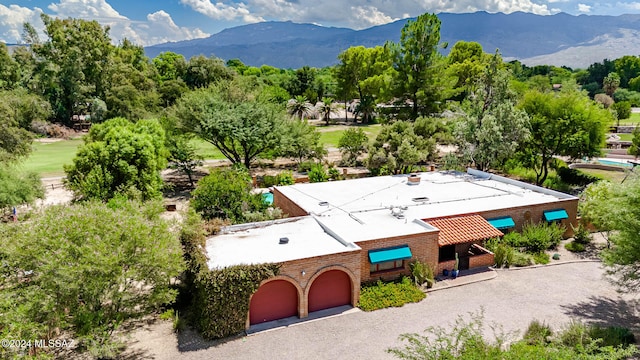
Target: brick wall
424,247
534,214
288,207
292,271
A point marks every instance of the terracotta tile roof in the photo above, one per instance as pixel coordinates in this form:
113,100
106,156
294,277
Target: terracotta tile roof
463,229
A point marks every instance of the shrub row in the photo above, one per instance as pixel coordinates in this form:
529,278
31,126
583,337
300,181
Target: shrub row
389,294
220,298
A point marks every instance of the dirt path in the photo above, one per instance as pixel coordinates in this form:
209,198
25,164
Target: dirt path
553,294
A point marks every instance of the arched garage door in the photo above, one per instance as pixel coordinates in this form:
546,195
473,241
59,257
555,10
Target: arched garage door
331,289
274,300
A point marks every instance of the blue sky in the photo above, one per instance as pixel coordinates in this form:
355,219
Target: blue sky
149,22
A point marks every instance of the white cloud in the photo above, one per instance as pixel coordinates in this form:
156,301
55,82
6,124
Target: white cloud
221,11
631,6
86,9
13,17
355,13
158,27
584,8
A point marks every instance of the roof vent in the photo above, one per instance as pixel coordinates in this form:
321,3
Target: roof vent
284,240
413,179
420,199
323,203
398,212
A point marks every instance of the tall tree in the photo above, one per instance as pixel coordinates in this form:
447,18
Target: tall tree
119,157
232,117
493,128
99,266
75,59
567,123
202,71
326,108
618,208
610,83
466,63
299,107
419,75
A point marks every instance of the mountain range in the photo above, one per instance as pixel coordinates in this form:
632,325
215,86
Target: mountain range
560,39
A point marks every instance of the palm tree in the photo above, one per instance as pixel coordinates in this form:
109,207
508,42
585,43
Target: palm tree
366,108
326,108
299,107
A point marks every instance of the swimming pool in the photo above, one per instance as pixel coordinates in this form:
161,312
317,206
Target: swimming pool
267,198
614,163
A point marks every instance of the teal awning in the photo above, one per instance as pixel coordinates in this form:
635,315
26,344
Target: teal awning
390,254
505,222
553,215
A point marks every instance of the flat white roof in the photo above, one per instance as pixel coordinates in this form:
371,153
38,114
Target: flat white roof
260,243
362,209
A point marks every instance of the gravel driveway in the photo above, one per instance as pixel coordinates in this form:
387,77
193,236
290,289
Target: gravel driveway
553,294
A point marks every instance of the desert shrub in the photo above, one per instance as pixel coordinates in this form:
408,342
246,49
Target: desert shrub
306,166
465,340
318,174
521,259
268,181
541,258
503,255
575,246
226,194
422,273
575,335
285,178
512,239
539,237
352,144
268,214
389,294
537,333
55,131
612,335
581,234
334,174
575,177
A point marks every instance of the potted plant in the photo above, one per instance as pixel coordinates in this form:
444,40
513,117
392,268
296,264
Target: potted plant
455,271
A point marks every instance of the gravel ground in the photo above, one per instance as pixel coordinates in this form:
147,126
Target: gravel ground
553,294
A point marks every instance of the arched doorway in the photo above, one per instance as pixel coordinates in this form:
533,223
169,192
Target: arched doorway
330,289
274,300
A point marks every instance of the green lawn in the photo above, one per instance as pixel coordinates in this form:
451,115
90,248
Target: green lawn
207,151
625,137
47,158
633,120
331,138
613,176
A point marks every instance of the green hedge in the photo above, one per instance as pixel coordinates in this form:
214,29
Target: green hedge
220,298
392,294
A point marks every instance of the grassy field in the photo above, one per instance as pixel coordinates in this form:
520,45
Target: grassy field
613,176
625,137
47,158
633,120
331,138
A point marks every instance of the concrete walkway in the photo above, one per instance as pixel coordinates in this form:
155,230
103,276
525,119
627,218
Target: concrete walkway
553,294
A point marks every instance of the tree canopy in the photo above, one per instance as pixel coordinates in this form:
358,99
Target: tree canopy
119,157
96,265
233,118
567,123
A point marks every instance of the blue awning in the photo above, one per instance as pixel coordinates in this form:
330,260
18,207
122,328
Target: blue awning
390,254
553,215
505,222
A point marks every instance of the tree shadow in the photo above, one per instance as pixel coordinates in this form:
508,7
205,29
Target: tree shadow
190,340
606,312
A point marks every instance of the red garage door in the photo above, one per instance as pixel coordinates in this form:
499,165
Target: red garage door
274,300
330,289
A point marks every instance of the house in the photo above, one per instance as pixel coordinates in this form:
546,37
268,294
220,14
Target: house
342,233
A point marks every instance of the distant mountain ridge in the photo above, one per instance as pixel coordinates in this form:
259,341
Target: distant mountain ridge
560,39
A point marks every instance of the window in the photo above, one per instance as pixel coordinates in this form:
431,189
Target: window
387,266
